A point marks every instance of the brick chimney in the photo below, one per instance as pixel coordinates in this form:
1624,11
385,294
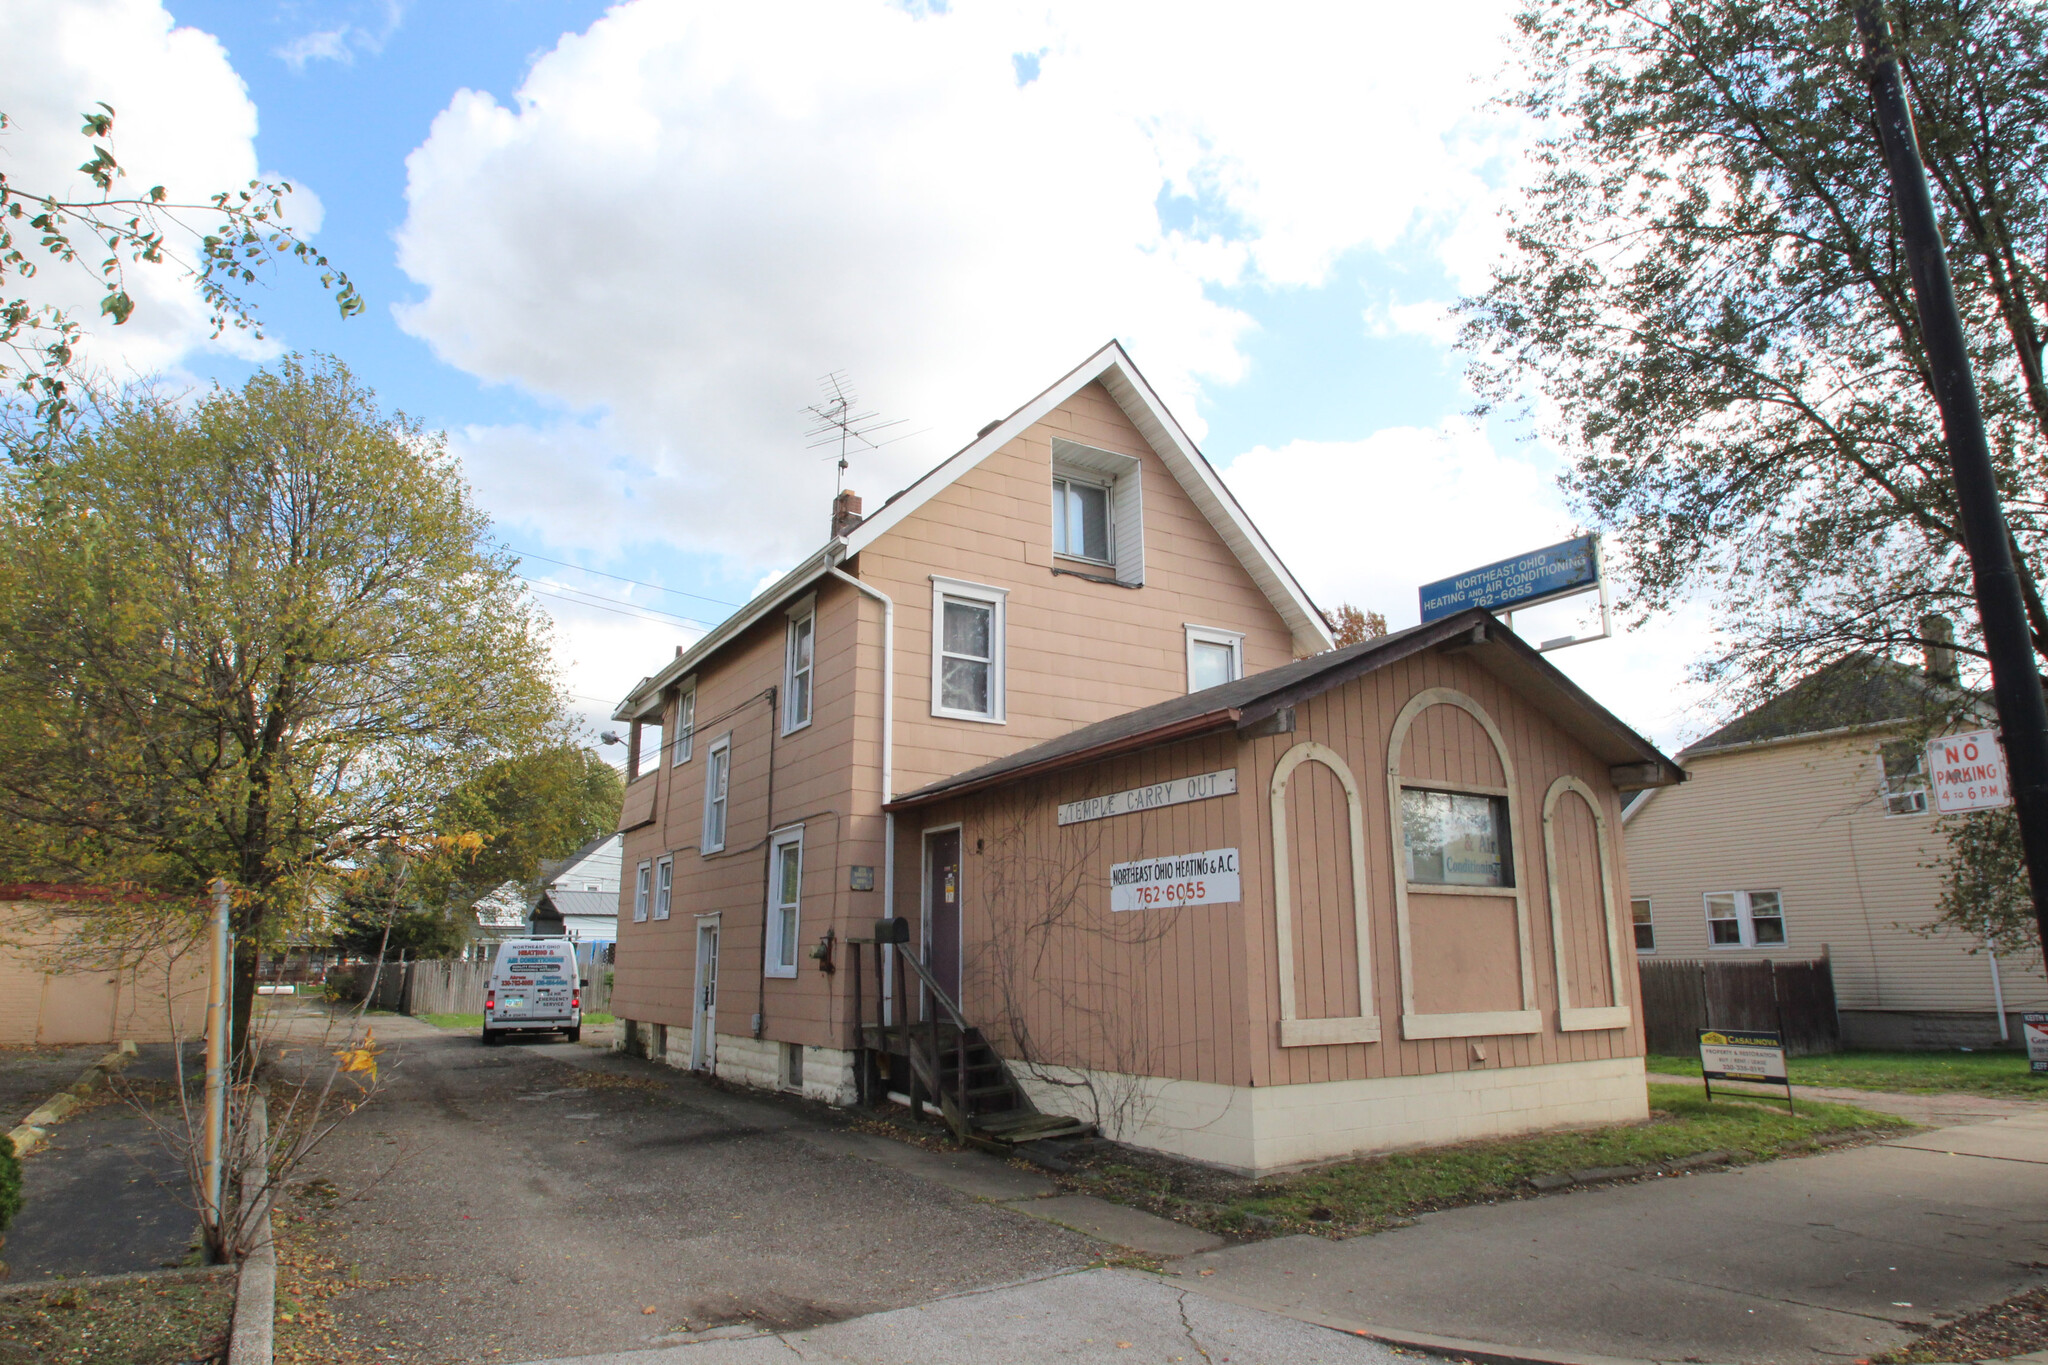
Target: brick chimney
845,513
1938,638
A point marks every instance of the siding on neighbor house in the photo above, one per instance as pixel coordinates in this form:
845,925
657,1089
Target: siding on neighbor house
1193,993
1076,652
1808,820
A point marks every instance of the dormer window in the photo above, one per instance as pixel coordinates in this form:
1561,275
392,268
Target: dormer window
1098,521
1080,519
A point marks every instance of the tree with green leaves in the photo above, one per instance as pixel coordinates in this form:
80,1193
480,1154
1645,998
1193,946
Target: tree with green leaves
257,636
106,233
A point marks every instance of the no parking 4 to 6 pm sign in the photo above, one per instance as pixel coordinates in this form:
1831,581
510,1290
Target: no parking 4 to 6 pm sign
1967,772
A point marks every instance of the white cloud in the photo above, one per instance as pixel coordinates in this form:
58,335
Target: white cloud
183,121
321,45
688,213
339,42
1432,320
1409,505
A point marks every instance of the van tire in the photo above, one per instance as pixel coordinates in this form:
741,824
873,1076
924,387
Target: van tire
574,1035
490,1037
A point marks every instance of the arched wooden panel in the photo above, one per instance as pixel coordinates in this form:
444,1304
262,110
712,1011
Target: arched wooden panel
1451,752
1292,894
1585,931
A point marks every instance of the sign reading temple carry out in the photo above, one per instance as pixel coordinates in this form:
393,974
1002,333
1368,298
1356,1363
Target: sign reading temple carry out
1967,772
1200,787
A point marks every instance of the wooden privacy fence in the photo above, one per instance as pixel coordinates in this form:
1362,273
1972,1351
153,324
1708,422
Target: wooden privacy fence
456,987
1796,998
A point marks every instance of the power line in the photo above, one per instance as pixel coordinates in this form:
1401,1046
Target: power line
638,583
637,613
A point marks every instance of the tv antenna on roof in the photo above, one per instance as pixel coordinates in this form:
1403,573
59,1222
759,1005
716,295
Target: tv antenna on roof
839,423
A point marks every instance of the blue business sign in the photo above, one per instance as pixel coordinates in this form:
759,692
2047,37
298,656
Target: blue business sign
1553,571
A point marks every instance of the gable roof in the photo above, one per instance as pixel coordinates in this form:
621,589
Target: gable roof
1857,691
556,868
1242,704
1111,367
603,904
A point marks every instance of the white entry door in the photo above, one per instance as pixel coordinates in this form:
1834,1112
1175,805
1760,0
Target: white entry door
704,1025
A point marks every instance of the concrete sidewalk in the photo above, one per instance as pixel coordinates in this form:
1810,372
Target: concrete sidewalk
1829,1257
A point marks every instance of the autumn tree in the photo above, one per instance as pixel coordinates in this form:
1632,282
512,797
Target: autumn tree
1349,625
256,636
106,229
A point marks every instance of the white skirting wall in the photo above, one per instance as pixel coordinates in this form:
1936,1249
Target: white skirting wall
744,1060
1257,1130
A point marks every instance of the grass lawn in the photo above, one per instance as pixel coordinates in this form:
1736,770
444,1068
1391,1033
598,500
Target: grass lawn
1981,1073
145,1321
475,1022
1365,1195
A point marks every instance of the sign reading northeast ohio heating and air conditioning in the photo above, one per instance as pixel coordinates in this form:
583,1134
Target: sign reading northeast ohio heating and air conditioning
1553,571
1200,787
1206,878
1967,772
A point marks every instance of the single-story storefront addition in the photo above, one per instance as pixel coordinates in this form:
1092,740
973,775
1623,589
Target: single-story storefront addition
1365,900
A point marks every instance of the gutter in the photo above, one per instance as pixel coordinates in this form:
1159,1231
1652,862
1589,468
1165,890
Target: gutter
1805,737
1109,748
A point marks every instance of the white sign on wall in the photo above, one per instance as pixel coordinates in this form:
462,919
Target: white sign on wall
1208,878
1200,787
1967,772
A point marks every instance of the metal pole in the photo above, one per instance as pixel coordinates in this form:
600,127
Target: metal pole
2015,679
1997,987
218,1020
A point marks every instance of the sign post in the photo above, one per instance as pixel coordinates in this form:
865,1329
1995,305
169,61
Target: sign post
1728,1054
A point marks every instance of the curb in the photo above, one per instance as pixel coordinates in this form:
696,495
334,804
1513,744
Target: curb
33,1131
253,1340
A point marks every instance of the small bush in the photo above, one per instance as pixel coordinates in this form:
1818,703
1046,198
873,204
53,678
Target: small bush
10,1182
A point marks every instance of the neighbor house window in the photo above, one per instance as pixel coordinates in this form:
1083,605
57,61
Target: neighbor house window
1745,919
1905,778
1214,656
967,650
1080,519
640,892
1455,838
717,778
664,880
1646,932
786,863
796,669
686,722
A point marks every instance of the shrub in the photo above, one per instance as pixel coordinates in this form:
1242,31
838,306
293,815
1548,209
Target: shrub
10,1182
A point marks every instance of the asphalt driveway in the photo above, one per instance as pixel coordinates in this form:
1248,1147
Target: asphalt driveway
536,1200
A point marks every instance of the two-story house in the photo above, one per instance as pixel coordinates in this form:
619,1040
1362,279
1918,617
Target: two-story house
1072,602
1805,832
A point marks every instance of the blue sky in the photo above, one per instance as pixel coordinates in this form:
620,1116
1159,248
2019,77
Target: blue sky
610,251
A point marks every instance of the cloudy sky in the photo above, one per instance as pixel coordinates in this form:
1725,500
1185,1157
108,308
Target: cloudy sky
610,251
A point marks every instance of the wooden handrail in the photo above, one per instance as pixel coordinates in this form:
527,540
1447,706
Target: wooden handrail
938,992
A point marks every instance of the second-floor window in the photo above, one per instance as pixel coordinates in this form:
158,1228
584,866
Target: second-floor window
717,782
1080,519
1905,778
1098,515
686,722
1214,656
967,650
1745,919
796,672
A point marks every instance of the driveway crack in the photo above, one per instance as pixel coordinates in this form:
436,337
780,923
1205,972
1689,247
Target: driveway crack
1188,1327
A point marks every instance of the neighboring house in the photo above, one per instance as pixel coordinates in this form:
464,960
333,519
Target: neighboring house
1080,569
1804,831
578,896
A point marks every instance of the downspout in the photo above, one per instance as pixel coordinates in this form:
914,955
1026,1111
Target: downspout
768,867
888,734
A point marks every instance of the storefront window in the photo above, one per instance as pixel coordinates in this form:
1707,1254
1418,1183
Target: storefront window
1455,839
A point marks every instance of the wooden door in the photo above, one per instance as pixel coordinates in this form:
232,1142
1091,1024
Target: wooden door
942,909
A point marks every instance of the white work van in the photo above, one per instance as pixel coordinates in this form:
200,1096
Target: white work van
534,987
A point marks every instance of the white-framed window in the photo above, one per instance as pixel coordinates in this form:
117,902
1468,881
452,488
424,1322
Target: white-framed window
967,650
640,889
798,655
1745,919
1098,520
1081,526
717,783
1645,927
1455,838
1905,777
664,882
785,892
686,723
1214,656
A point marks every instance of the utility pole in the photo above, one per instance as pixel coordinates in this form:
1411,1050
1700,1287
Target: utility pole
2015,675
218,1020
